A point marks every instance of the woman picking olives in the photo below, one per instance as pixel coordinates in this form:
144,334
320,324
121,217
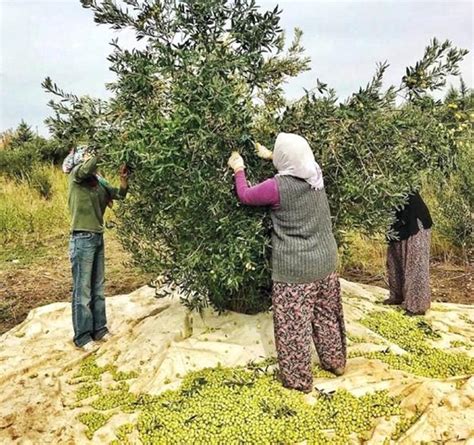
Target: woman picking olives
306,291
408,257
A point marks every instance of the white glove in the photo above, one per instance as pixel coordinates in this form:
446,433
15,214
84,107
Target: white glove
236,162
263,152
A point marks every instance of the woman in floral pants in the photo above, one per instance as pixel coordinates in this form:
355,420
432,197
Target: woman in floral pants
306,292
408,257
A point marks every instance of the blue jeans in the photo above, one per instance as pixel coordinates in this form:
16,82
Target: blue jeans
86,251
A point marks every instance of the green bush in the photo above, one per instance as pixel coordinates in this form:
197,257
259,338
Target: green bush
24,164
17,164
21,136
26,219
451,199
453,204
50,151
39,180
23,142
208,81
23,156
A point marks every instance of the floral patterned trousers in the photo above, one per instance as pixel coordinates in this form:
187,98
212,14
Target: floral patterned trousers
305,312
408,267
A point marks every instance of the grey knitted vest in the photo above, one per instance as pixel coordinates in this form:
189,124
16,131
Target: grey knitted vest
303,245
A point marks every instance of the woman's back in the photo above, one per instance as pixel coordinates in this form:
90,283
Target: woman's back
304,248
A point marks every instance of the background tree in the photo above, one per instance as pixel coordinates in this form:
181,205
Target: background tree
209,79
22,135
373,150
23,153
453,199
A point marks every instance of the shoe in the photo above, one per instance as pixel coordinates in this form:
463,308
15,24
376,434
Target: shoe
413,314
107,336
88,347
337,371
391,302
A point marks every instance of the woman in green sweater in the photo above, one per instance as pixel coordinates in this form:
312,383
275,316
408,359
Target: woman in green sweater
306,292
88,197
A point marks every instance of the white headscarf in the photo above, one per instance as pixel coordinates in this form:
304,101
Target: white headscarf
75,157
292,156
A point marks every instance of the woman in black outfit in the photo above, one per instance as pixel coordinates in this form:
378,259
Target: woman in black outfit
408,258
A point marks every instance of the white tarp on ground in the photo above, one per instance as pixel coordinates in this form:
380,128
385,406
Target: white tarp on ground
152,336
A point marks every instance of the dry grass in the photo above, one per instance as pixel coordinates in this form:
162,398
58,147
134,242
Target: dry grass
365,255
34,264
369,254
26,219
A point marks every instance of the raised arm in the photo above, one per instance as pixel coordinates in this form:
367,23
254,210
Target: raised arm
85,169
263,194
121,192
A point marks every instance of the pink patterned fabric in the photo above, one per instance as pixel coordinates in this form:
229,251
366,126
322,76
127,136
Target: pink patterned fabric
264,194
303,313
408,266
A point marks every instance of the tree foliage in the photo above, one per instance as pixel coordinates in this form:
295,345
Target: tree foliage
22,135
22,149
208,79
373,152
22,153
454,197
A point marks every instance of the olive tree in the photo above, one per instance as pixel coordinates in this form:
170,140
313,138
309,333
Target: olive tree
208,78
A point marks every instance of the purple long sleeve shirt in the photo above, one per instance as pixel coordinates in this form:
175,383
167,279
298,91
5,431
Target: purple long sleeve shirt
264,194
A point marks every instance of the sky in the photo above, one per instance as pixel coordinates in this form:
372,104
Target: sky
345,40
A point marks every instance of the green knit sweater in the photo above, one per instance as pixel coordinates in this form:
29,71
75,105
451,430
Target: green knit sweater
88,197
303,245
